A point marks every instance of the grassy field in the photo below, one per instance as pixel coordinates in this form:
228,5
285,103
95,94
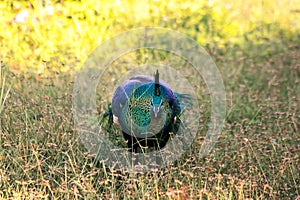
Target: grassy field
258,55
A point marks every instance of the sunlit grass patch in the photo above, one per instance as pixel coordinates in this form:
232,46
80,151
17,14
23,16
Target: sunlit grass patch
58,33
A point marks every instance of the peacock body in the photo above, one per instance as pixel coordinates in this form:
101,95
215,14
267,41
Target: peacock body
147,110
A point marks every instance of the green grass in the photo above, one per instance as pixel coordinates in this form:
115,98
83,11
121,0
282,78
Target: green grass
257,154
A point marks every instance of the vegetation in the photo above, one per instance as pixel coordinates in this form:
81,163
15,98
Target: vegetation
255,45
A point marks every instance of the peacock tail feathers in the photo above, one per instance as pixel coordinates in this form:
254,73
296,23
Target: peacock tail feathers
184,102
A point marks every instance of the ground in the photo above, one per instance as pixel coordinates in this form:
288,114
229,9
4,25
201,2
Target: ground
256,156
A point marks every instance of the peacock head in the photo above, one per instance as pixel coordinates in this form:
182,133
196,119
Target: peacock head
156,102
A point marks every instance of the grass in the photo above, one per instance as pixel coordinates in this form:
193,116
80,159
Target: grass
256,157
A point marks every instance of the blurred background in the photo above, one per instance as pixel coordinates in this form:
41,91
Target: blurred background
44,36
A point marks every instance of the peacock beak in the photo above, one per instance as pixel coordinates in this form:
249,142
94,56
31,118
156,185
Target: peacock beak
155,110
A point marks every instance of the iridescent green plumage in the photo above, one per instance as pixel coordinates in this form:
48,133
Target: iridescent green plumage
137,116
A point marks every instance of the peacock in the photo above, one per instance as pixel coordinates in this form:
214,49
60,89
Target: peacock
147,111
